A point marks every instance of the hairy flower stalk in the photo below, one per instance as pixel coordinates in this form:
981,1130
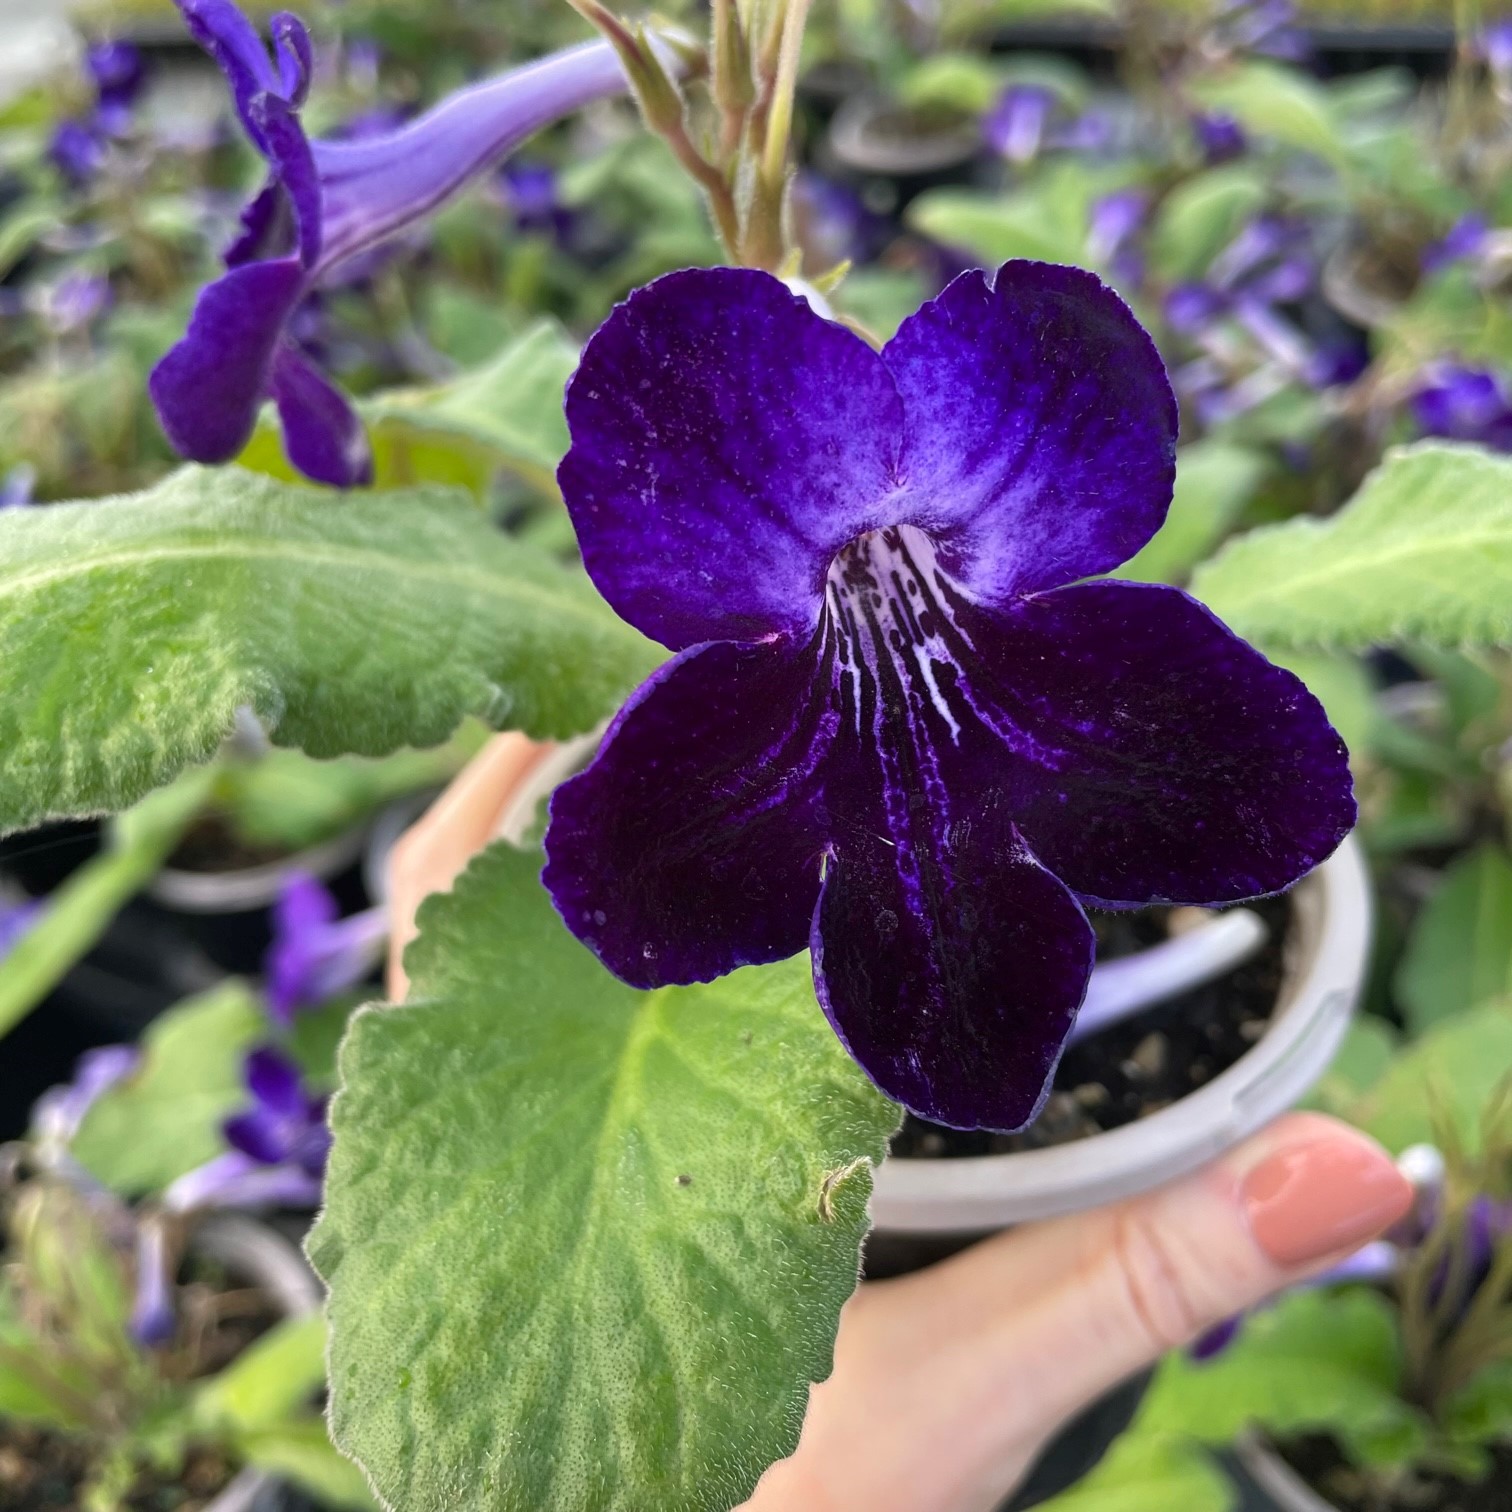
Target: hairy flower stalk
326,201
899,729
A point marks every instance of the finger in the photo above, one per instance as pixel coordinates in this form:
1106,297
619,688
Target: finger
985,1356
432,853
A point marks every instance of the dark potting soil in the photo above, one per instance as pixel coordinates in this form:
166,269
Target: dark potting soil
41,1471
1143,1065
211,845
1318,1461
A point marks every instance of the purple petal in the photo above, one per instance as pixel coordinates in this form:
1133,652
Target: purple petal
1015,126
323,435
726,443
950,967
375,186
1208,1346
208,387
1164,758
691,845
274,1080
153,1322
290,156
1041,430
263,227
258,1135
295,58
202,1186
238,50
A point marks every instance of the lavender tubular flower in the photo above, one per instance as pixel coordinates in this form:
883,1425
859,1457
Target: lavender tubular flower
315,953
898,729
1015,126
324,202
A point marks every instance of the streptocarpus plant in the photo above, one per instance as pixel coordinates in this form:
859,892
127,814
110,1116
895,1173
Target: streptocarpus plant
588,1235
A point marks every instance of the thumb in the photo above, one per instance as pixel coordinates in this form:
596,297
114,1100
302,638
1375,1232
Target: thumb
1110,1291
948,1381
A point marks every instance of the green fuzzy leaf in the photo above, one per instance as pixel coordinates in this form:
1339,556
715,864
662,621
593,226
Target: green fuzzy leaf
271,1382
79,912
165,1119
1440,1084
1214,481
1272,100
1198,218
1422,553
586,1247
1325,1361
1146,1471
1459,954
132,629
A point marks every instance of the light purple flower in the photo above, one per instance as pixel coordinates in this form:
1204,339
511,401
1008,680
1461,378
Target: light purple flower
118,72
324,202
1464,404
17,488
1015,126
1114,222
60,1112
1495,46
1465,239
76,151
153,1319
74,301
898,729
315,953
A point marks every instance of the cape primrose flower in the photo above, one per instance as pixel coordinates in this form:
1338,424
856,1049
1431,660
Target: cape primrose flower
324,202
900,729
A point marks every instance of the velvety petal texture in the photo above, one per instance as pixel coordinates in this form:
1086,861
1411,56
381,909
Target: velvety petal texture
727,442
1040,431
901,730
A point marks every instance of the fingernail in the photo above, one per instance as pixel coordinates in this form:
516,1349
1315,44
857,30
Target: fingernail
1321,1195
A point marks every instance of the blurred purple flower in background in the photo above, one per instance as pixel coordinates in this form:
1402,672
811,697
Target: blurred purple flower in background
531,192
59,1113
1464,404
1220,137
1015,126
1465,239
326,200
1268,27
119,72
315,953
76,151
16,489
1114,222
73,302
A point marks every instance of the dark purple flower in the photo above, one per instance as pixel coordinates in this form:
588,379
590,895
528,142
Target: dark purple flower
1464,240
76,151
531,194
1220,137
285,1126
324,202
899,730
118,72
835,222
1189,307
315,953
1464,404
1015,126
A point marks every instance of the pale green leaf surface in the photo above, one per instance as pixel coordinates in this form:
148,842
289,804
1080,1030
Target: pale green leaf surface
272,1381
1214,481
1198,218
302,1452
1327,1361
165,1119
1459,954
1444,1079
586,1247
1422,553
133,628
79,912
1363,1059
1149,1472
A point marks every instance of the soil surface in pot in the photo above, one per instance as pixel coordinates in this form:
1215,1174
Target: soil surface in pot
42,1471
1318,1461
1143,1065
211,844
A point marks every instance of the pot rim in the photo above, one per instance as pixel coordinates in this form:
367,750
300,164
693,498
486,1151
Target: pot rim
252,887
1275,1477
853,142
1325,953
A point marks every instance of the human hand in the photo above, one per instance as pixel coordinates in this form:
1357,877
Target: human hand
948,1382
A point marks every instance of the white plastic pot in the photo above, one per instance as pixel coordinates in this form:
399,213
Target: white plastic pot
250,888
1324,960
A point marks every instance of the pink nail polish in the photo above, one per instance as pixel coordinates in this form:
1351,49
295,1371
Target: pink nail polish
1312,1198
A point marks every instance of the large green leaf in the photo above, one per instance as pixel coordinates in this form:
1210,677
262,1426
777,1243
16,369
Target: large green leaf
132,629
1423,553
1459,954
79,912
586,1246
1272,100
1328,1361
